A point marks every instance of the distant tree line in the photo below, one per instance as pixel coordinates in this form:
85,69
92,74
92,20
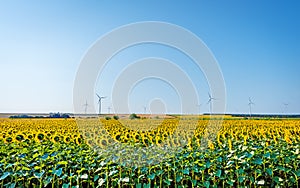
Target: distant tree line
267,115
51,115
58,115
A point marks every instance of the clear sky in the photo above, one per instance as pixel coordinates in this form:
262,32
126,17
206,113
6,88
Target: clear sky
256,43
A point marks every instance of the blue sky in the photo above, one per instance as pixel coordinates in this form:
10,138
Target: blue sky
256,43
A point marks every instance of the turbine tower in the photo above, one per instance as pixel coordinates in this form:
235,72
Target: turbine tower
85,106
250,105
199,106
145,109
210,102
285,107
108,109
99,102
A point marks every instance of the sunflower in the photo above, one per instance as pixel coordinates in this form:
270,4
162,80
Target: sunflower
67,139
30,136
78,140
117,137
19,137
137,137
40,136
9,139
55,138
91,142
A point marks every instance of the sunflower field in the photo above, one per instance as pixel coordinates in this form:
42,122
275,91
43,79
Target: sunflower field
62,153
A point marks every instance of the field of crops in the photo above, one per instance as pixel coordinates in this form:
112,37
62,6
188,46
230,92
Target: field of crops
59,153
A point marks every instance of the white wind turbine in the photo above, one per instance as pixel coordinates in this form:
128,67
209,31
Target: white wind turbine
210,102
285,107
85,106
99,102
199,106
250,106
145,109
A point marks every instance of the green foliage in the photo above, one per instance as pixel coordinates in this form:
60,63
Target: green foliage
48,164
116,117
107,118
134,116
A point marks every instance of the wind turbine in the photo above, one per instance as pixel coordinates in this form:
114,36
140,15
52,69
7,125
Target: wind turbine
285,106
250,105
145,109
99,102
85,106
199,105
109,108
210,102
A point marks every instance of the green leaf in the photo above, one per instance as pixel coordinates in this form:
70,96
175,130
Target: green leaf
267,155
58,172
12,185
5,175
258,171
65,185
45,156
229,182
281,168
249,155
167,181
258,161
96,177
287,160
159,172
219,159
9,165
276,179
139,185
151,176
269,171
207,164
273,156
186,171
241,171
241,179
194,182
38,175
64,176
292,179
219,173
22,156
48,180
206,184
178,178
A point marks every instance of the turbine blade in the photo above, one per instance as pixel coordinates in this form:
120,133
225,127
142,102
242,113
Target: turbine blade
208,101
209,95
